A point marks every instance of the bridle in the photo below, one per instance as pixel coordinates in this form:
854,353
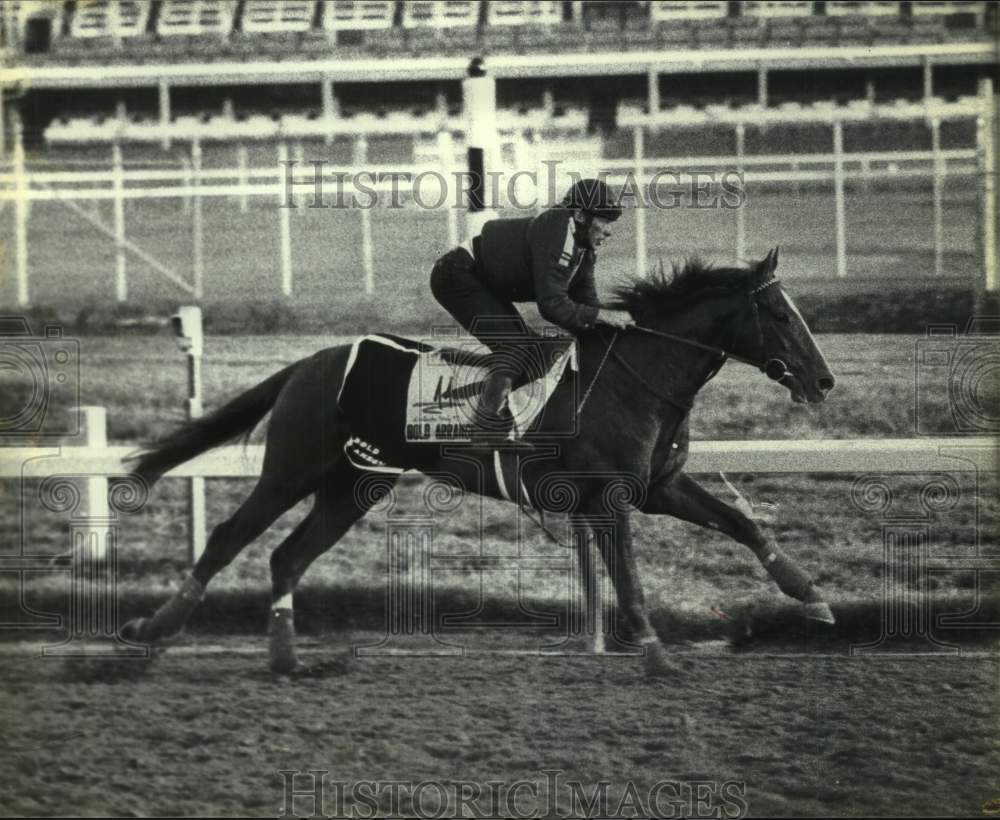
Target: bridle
773,368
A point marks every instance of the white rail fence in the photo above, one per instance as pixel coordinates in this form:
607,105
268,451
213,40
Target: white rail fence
291,173
95,460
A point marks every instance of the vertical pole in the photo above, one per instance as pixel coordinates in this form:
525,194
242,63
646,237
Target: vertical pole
986,139
197,226
95,420
641,253
446,158
939,177
242,178
741,219
653,91
3,127
329,107
22,191
479,97
164,88
118,185
928,80
360,158
284,222
186,182
762,86
838,186
544,186
196,492
188,326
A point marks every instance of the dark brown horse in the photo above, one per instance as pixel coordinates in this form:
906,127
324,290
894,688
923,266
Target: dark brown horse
631,418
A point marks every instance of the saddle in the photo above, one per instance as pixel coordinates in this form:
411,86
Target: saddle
400,395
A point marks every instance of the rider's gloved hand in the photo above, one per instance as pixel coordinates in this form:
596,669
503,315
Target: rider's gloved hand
620,319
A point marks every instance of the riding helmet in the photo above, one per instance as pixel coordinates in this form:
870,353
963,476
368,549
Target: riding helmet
593,196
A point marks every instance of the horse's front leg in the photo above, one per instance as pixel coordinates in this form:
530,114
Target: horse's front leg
613,534
682,497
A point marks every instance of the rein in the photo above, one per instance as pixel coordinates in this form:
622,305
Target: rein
768,366
775,369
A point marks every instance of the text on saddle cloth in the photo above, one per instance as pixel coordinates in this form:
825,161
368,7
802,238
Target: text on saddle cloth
444,390
399,394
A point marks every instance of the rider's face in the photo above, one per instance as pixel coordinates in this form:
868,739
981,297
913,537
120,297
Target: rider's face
598,231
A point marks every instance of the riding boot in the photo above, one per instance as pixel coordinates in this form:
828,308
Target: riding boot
490,427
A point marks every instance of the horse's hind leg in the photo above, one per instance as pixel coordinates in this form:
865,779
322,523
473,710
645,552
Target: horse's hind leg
268,500
339,504
684,498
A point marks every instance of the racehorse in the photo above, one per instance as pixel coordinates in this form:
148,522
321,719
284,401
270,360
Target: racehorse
628,453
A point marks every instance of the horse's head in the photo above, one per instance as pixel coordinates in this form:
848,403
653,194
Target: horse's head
743,312
774,333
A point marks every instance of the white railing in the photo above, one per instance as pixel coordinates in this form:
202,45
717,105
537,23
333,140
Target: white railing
95,460
193,183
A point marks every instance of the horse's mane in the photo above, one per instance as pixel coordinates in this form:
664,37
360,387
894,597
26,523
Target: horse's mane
663,293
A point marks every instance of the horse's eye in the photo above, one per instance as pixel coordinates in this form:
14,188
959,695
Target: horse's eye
784,318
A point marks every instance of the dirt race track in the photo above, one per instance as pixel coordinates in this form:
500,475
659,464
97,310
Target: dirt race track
206,730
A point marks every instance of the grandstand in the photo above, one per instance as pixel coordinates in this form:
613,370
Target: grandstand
223,29
143,68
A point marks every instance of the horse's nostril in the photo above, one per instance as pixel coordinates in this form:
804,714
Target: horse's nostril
825,383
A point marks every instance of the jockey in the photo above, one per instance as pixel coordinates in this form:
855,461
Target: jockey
547,259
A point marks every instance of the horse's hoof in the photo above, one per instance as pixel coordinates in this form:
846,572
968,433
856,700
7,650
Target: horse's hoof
658,663
820,611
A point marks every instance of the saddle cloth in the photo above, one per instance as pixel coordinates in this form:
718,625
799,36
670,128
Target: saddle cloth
401,394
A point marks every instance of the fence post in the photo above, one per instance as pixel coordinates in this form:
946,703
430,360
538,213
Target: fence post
21,206
197,488
241,165
164,102
284,222
986,142
360,158
118,185
95,427
939,176
641,253
187,182
329,107
741,219
446,158
197,226
838,192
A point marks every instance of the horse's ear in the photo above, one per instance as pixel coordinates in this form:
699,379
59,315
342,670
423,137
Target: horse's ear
770,263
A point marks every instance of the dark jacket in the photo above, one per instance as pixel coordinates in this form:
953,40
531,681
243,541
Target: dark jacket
536,259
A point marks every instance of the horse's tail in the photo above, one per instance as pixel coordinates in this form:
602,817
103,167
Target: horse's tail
238,416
